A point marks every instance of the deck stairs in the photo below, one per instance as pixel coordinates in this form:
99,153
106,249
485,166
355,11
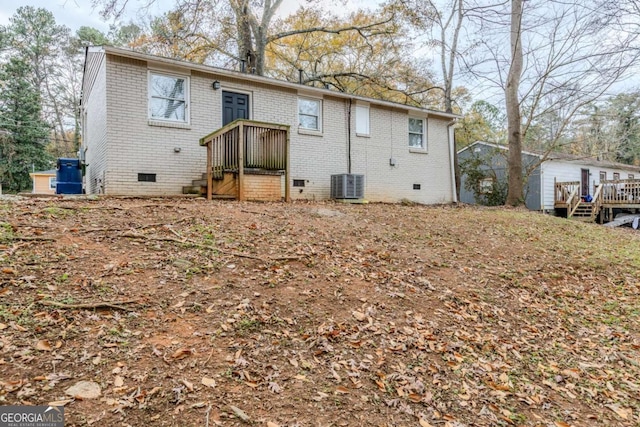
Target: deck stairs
586,212
225,188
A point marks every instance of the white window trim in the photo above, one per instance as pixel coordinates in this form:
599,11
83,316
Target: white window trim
425,129
187,100
361,107
305,130
52,183
486,185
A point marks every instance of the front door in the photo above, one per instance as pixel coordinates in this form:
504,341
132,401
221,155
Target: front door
584,181
234,106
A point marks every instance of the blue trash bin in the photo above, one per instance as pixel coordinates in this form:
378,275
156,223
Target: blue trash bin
68,176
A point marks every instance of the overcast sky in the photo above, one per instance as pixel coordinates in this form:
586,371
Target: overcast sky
77,13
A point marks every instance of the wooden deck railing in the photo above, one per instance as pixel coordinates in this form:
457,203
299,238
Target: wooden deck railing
621,192
597,202
566,193
247,144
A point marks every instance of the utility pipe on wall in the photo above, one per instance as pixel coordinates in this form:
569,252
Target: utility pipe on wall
452,153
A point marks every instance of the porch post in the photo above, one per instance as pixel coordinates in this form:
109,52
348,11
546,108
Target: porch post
241,162
287,170
209,171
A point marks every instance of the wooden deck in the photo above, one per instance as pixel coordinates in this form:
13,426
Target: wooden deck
609,195
243,146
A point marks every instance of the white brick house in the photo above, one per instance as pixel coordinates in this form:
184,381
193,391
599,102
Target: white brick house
135,144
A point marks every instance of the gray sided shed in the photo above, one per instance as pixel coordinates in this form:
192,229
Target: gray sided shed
494,157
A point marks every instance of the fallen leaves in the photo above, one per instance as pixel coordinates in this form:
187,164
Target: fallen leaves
624,413
182,353
84,390
374,316
209,382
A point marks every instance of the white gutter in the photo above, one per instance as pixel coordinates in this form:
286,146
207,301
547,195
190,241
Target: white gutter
452,149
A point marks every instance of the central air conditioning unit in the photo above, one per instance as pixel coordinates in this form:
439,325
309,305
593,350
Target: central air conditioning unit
347,186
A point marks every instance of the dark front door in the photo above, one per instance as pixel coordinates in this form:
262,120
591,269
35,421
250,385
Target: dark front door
584,181
234,106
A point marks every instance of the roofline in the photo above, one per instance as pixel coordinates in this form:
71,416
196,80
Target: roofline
261,79
586,160
500,147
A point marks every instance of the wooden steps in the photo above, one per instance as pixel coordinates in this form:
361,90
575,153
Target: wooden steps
225,188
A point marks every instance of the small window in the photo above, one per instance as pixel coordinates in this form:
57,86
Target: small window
298,182
362,120
616,176
310,113
486,186
168,98
416,186
52,183
603,176
417,133
632,176
147,177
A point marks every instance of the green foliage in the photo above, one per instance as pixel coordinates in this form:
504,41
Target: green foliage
25,133
625,108
89,36
483,122
477,169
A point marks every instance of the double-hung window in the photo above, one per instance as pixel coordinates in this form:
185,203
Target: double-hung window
168,97
417,133
310,114
362,120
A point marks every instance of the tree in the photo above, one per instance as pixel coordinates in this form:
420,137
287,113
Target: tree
22,147
34,37
379,65
625,110
512,102
482,122
238,29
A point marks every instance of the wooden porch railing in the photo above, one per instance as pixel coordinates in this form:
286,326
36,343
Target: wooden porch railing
621,192
597,202
247,144
566,195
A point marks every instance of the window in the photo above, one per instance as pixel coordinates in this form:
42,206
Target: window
362,120
417,186
52,183
416,133
298,182
616,175
632,176
486,186
310,113
168,98
603,176
146,177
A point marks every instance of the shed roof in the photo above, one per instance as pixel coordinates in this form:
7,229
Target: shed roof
47,172
565,157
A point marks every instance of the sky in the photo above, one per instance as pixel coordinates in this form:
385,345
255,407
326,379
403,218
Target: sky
77,13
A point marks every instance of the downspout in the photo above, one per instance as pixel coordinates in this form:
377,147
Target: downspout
452,154
349,136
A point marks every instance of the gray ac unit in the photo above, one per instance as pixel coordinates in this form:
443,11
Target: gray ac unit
347,186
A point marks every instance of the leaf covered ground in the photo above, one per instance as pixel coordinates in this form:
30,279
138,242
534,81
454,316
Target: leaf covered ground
187,312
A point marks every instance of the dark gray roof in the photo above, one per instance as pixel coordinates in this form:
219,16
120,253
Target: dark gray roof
584,160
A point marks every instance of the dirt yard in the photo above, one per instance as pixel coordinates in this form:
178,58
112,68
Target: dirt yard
195,313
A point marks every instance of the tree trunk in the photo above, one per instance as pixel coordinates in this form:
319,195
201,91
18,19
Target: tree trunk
515,191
